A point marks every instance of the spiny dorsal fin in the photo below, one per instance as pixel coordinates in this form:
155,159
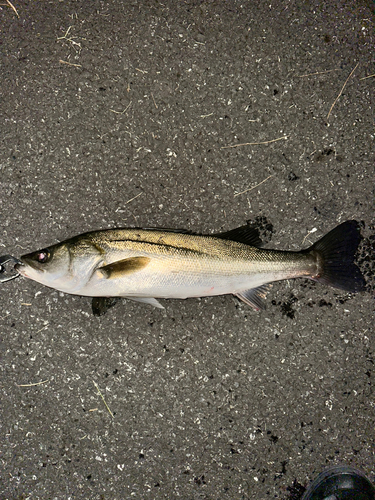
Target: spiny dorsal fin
244,234
123,267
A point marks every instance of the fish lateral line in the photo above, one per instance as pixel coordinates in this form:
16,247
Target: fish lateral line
180,248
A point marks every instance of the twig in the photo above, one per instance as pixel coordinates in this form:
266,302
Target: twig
70,39
121,112
250,189
31,385
65,36
365,77
319,73
153,98
44,327
70,64
139,194
255,143
313,230
12,7
341,91
101,395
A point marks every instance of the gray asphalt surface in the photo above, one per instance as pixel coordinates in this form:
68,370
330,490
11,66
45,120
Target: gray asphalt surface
119,114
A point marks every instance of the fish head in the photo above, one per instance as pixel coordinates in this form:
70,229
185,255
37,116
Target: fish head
65,266
47,266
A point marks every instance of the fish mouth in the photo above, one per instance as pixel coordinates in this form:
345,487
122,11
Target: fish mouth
20,268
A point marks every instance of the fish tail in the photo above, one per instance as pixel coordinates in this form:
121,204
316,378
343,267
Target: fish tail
335,254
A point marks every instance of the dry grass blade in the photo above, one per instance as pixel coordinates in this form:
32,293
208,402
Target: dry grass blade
251,188
121,112
104,401
255,143
318,73
12,7
32,385
70,64
153,98
342,90
134,198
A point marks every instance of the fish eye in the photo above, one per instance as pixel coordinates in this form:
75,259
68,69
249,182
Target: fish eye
42,256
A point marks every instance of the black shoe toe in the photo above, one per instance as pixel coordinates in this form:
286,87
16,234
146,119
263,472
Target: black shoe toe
340,483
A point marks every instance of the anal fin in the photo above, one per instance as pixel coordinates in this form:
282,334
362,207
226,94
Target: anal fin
255,296
146,300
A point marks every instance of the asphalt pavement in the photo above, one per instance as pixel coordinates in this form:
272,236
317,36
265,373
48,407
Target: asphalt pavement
199,115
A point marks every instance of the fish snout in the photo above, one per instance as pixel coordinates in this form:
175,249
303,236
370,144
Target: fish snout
20,268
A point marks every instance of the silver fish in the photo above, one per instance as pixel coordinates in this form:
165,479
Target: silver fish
148,264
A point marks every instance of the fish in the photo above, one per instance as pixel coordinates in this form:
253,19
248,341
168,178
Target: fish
150,264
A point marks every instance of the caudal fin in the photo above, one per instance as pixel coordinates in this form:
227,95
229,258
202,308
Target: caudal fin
336,252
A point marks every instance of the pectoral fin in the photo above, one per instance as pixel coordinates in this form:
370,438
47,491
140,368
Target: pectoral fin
123,267
254,297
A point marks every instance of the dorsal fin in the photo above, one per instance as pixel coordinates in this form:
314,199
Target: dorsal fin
168,230
244,234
